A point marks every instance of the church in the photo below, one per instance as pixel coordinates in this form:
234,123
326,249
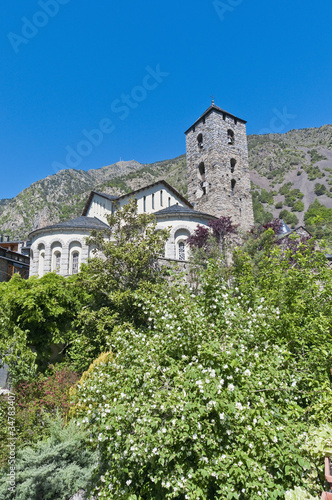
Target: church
218,185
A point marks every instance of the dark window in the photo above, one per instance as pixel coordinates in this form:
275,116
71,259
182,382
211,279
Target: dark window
233,182
144,203
203,183
230,136
233,163
152,201
200,141
161,198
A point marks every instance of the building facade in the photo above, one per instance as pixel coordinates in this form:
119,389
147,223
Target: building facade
218,185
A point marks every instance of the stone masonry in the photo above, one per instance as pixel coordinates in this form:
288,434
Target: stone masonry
218,167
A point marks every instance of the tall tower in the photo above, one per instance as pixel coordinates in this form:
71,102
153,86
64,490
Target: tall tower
218,167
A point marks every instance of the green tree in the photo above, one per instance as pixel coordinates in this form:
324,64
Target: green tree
126,255
320,189
34,315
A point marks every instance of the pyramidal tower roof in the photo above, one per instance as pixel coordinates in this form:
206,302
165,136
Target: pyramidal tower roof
214,108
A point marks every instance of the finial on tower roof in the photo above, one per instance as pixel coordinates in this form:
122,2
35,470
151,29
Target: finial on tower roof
212,97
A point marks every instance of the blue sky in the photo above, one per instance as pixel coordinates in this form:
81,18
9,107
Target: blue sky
86,83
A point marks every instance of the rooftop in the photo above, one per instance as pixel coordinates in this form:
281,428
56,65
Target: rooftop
218,110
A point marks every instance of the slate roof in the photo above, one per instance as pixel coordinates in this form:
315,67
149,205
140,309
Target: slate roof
178,210
105,195
77,223
211,108
114,198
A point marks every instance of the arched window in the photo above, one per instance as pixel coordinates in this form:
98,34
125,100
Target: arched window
230,137
233,163
200,141
56,261
182,250
233,182
180,238
41,263
56,250
152,201
74,262
144,203
161,198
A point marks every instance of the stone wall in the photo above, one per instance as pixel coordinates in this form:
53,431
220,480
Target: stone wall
222,186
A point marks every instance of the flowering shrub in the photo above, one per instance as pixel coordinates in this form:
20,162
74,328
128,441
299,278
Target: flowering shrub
209,401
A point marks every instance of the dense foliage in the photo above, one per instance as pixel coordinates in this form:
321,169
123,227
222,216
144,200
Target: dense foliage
217,391
52,469
130,250
35,402
39,313
213,398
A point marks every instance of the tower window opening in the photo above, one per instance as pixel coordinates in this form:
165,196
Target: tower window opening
161,198
144,203
169,201
201,169
152,201
233,182
233,163
203,183
200,141
230,137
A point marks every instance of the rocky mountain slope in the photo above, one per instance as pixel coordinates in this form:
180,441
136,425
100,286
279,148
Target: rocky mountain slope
288,172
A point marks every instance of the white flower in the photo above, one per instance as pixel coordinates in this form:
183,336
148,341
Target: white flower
247,373
128,482
231,387
163,430
195,436
221,416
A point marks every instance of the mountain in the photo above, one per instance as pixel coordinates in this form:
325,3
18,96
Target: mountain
62,196
288,173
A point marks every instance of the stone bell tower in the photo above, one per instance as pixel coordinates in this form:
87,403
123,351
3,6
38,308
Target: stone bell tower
218,167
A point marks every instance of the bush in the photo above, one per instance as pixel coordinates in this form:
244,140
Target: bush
278,205
212,399
53,469
34,403
288,217
320,189
298,206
